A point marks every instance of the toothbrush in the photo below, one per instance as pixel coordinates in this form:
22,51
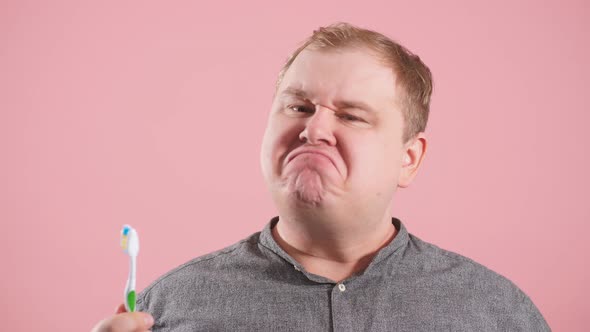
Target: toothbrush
130,245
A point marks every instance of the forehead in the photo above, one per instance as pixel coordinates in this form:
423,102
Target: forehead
341,73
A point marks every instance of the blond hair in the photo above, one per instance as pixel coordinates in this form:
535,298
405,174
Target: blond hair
413,76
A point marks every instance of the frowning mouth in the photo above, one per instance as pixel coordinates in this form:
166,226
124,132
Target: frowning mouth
298,152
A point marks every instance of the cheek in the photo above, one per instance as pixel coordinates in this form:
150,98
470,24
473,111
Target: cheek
279,139
372,158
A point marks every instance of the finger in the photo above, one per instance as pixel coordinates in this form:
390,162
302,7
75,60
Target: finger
126,322
120,309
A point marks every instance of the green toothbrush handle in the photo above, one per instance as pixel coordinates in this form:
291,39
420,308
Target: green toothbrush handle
131,301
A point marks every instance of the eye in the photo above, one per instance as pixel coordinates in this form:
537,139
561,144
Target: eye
349,117
301,109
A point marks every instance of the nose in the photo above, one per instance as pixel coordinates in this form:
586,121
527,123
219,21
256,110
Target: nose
319,128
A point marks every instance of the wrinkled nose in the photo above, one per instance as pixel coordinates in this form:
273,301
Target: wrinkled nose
319,128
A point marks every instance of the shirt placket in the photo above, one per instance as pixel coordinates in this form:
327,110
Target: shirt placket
341,308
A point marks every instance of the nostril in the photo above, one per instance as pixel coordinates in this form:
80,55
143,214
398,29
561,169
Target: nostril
303,136
303,139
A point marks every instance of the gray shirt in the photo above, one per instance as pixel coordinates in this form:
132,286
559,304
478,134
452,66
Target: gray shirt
410,285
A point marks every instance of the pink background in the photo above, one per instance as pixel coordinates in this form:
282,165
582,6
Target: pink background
152,113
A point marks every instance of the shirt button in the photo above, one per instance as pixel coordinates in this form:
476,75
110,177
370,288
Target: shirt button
341,287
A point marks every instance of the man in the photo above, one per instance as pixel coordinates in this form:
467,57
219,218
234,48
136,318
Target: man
346,130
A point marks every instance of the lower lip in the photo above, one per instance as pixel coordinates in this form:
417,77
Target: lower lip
311,154
317,158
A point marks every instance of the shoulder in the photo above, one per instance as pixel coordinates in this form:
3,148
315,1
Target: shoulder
243,255
440,265
432,259
459,278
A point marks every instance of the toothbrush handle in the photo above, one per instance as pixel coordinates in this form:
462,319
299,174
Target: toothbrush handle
130,287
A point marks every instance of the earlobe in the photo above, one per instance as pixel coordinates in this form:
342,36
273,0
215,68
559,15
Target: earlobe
414,153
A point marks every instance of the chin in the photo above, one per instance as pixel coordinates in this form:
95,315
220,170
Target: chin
307,197
306,188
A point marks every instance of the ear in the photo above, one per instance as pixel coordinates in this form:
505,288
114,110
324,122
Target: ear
413,154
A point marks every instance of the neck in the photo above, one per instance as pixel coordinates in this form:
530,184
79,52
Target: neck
335,249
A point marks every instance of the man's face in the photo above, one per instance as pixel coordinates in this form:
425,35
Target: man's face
334,134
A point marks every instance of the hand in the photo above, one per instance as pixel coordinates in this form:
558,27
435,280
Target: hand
124,321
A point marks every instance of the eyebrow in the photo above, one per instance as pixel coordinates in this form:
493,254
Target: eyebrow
341,104
290,91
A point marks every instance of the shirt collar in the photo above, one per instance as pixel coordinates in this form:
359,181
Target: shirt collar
390,253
